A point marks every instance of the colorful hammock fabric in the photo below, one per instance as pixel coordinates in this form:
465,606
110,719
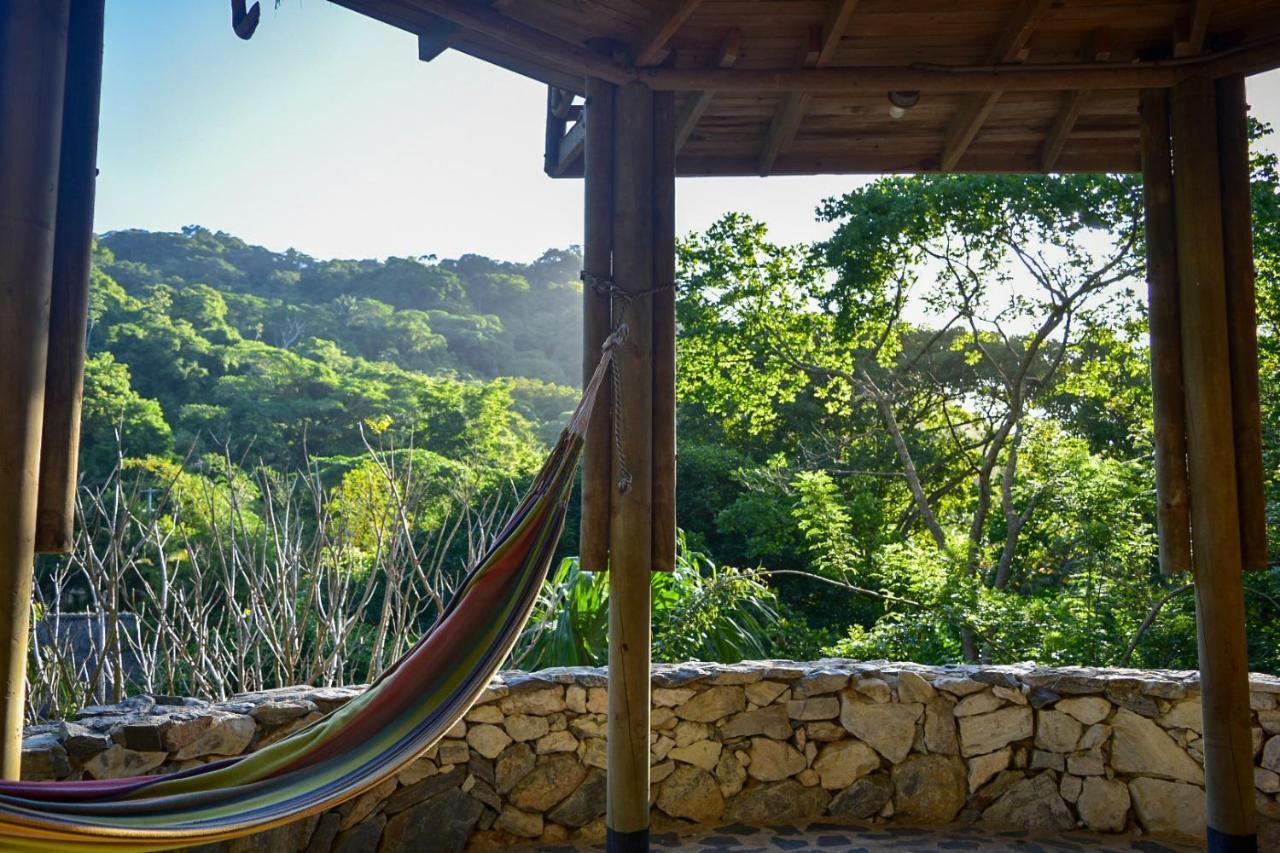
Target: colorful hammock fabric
351,749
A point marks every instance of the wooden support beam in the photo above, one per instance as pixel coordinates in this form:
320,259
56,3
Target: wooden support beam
1012,43
1065,121
537,43
730,50
597,267
570,148
965,126
664,332
1009,47
553,132
1248,59
818,52
1211,464
833,30
651,47
1191,34
551,51
436,38
1173,519
1061,129
69,305
33,55
791,109
437,34
782,130
1242,318
631,529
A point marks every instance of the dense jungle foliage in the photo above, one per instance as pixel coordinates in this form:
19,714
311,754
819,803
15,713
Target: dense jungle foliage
927,437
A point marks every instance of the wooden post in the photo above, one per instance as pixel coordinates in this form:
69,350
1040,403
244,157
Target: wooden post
552,134
631,542
597,266
1215,520
664,332
33,47
1173,521
68,308
1242,316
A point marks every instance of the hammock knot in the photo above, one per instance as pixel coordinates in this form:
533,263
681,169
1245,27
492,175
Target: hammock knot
616,338
601,286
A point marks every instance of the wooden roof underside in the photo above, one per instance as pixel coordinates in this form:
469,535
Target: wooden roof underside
802,86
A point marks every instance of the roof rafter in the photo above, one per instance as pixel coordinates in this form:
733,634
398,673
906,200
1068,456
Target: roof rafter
570,148
1251,58
651,47
439,34
696,106
786,118
1070,110
500,33
1010,47
834,29
1189,41
818,52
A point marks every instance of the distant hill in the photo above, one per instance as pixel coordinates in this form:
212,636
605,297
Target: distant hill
200,340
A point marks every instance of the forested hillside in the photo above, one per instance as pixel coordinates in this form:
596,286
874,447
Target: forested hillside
198,340
927,437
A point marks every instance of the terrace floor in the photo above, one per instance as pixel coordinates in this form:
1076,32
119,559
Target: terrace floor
824,837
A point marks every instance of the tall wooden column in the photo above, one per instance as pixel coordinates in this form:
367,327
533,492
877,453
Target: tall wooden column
630,536
68,310
33,47
630,244
1173,512
1212,461
664,332
1242,317
597,267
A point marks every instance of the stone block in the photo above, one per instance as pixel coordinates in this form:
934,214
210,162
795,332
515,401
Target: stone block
889,728
988,732
1169,808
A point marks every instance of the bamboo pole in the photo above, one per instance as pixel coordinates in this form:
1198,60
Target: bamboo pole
1173,522
1242,317
33,46
597,252
664,332
1215,523
68,308
630,538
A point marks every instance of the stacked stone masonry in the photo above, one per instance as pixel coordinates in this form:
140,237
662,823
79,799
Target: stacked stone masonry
754,743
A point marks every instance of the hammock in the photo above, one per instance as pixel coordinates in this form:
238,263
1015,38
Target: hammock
351,749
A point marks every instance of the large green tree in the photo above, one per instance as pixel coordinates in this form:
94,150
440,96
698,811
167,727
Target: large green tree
936,323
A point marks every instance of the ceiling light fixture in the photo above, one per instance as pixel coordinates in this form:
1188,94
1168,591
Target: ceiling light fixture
900,102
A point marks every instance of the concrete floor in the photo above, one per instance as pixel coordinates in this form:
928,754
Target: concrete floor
826,837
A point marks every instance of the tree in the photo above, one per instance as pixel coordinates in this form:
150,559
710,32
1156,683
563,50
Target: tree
116,419
1017,271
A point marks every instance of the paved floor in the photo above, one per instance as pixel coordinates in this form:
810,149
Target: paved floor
826,837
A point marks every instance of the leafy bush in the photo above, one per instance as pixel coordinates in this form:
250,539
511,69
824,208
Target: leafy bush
701,611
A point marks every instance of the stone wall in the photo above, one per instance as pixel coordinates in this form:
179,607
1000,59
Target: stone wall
766,742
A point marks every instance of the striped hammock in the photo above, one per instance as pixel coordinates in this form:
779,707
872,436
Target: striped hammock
351,749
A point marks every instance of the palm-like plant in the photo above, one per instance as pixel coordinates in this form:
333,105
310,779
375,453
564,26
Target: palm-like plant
701,611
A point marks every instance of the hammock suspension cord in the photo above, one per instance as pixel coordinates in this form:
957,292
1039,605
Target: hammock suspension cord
619,301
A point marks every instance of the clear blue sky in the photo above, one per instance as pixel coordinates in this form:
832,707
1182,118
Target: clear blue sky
325,133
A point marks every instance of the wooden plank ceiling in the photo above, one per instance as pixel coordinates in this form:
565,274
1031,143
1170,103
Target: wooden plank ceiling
785,129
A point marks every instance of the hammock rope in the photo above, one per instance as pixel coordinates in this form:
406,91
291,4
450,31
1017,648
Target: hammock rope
353,748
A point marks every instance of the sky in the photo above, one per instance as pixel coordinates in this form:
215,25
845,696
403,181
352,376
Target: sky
326,134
